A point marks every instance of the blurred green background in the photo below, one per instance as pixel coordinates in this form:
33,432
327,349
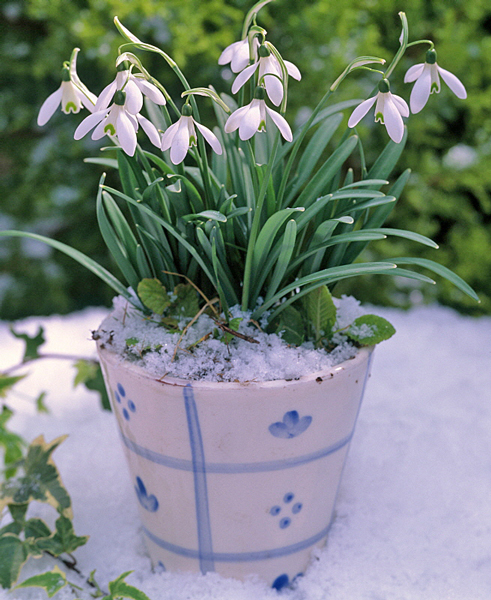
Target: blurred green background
46,187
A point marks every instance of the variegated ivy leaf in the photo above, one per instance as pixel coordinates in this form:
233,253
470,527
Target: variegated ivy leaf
7,382
51,581
90,375
32,342
153,295
368,330
13,554
40,480
120,589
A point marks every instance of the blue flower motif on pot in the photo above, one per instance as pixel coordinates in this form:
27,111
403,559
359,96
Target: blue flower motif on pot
291,426
148,501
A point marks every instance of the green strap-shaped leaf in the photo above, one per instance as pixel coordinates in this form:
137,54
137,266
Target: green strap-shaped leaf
81,258
284,257
319,182
439,270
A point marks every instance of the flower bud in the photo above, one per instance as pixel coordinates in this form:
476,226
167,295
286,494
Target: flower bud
431,57
120,98
65,72
187,110
384,86
123,66
263,51
259,93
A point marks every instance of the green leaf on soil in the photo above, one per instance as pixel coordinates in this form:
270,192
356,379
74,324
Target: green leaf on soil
370,329
153,295
289,324
321,312
187,300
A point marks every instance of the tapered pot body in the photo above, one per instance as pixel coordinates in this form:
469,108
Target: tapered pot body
238,478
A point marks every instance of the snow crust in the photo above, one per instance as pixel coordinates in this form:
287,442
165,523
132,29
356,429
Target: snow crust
266,359
413,515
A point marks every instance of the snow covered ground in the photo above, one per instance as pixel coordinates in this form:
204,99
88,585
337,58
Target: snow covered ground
413,518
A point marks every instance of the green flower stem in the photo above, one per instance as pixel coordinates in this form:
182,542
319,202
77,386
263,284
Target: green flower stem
402,48
256,224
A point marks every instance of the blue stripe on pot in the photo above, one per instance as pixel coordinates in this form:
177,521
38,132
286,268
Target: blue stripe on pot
234,468
200,486
238,556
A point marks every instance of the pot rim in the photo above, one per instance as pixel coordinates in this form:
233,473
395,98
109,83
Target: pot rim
362,354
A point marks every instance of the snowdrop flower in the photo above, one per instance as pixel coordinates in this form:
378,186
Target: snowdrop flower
389,111
118,121
180,136
238,55
72,94
135,87
270,72
427,78
252,118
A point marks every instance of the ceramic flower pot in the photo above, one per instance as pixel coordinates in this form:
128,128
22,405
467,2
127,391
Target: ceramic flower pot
238,478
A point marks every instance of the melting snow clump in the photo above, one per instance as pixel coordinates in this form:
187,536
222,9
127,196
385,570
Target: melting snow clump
199,354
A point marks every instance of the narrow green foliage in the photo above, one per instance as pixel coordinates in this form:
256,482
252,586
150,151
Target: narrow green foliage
368,330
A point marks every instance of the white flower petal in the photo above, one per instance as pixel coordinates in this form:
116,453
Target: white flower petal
151,91
293,70
241,57
243,77
126,132
105,96
49,106
134,98
235,119
250,121
210,137
101,130
150,129
393,119
453,83
360,111
70,100
401,105
421,90
180,143
227,55
414,72
169,134
274,89
89,123
281,123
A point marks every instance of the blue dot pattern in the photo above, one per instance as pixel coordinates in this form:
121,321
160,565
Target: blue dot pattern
119,394
275,510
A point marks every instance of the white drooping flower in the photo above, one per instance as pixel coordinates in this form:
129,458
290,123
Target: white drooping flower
135,87
118,121
427,78
252,118
238,54
270,74
180,136
72,94
389,111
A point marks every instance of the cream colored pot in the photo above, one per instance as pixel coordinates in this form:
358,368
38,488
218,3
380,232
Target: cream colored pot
238,478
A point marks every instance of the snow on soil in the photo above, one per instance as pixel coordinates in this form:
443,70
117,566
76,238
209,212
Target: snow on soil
413,517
